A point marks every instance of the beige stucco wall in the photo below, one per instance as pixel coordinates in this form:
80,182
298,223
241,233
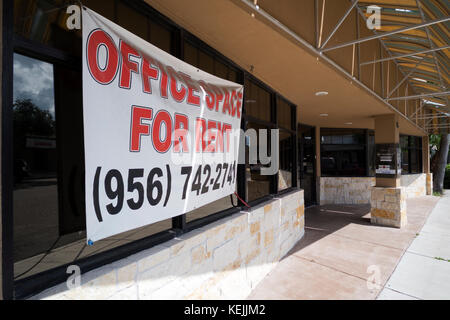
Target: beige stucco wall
223,260
345,190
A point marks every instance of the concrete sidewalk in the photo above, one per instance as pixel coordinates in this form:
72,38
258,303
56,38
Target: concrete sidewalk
424,270
341,249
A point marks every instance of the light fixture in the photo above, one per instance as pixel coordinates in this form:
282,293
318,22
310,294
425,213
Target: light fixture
348,123
421,80
433,103
321,93
324,114
402,10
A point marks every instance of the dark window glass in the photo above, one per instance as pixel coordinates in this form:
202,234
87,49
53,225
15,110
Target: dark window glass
307,162
284,114
48,196
257,101
44,22
208,62
211,208
161,37
212,64
371,153
411,154
343,152
190,54
404,145
258,185
416,154
35,157
132,20
286,160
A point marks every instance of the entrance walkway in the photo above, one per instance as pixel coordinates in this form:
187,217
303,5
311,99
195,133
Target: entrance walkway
424,270
341,249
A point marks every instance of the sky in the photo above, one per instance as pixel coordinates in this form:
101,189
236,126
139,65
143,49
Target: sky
33,79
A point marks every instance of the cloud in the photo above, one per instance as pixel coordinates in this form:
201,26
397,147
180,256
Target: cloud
33,79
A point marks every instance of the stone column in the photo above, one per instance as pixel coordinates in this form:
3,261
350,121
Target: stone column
426,164
388,199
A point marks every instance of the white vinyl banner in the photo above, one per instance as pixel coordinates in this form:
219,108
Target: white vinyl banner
160,136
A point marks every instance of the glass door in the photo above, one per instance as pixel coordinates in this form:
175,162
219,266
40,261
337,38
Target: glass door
307,164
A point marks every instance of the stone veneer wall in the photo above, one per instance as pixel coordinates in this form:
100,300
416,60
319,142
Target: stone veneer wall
345,190
429,184
223,260
415,185
388,206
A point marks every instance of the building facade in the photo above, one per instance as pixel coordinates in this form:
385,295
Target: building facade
339,93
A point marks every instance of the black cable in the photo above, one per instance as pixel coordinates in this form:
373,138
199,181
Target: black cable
79,253
40,260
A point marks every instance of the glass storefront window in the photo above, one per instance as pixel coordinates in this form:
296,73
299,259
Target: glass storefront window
343,152
257,102
35,157
48,195
48,200
208,62
258,185
411,154
286,160
284,114
371,153
44,22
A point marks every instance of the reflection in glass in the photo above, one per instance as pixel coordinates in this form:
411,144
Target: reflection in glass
306,163
257,101
284,114
35,157
286,160
343,152
44,21
258,185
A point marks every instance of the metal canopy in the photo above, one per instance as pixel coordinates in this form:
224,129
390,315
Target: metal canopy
415,34
430,41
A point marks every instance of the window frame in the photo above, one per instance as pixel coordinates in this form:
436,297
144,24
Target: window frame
12,43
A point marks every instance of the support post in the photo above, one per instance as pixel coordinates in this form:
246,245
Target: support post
426,164
388,199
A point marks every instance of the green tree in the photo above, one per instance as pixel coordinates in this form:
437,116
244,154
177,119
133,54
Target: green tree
31,120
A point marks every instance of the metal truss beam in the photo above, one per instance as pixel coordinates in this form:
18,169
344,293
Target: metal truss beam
436,94
355,2
386,34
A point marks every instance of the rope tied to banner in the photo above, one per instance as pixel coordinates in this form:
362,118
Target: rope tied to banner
240,199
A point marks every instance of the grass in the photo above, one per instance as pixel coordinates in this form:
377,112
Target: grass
437,194
442,259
